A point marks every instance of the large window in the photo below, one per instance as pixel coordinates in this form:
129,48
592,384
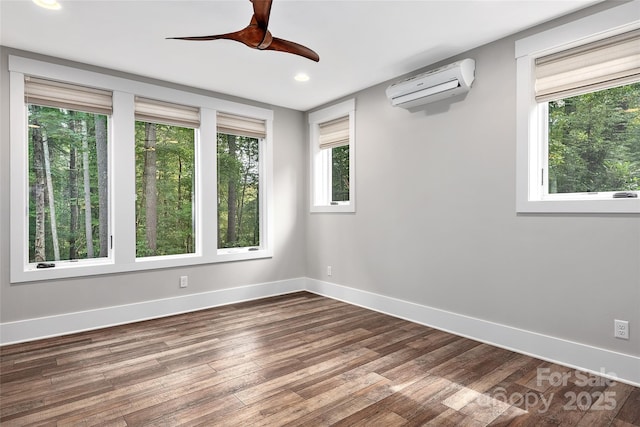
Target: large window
68,208
332,146
68,204
579,116
116,175
165,168
238,191
240,143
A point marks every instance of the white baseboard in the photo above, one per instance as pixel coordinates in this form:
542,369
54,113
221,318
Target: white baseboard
621,367
68,323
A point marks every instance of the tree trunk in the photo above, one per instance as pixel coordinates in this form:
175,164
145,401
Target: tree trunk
243,191
103,184
39,188
87,191
51,197
256,221
179,184
73,203
150,190
232,195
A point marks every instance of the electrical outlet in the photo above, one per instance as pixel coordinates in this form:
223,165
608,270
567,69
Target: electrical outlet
184,281
328,270
621,329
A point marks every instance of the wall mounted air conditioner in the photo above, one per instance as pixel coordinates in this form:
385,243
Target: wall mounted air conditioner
434,85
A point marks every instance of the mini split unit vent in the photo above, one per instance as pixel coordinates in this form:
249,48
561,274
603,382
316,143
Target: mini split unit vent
434,85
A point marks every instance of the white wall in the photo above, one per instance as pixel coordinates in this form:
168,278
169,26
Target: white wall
436,222
38,299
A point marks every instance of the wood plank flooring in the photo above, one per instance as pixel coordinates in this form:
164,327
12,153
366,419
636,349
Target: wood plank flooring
298,359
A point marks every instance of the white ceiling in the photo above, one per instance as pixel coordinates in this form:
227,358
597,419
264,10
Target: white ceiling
360,43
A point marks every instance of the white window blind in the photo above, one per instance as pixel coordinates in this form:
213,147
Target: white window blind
334,133
599,65
241,126
152,111
50,93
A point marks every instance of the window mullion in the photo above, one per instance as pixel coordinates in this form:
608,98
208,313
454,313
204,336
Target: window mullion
122,170
206,186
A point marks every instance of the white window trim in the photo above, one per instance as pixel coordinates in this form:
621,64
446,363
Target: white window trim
530,125
122,257
319,159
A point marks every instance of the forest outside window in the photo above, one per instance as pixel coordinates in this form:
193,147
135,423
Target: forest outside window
240,143
332,146
68,209
165,178
579,125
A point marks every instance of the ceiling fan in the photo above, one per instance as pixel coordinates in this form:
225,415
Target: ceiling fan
257,36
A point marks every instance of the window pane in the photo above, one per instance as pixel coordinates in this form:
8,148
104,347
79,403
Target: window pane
238,185
68,184
594,141
340,174
165,162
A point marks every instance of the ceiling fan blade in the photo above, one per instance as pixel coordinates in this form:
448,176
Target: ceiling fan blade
251,36
261,12
291,47
229,36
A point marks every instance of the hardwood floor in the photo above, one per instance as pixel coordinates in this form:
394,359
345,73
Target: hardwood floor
298,359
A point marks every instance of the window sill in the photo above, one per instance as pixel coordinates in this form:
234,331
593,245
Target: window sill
342,208
241,254
613,206
85,268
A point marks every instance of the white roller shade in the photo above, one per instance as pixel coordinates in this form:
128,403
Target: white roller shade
334,133
604,64
50,93
152,111
241,126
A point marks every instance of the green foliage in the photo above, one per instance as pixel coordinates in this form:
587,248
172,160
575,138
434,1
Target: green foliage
63,132
340,174
238,191
175,164
594,141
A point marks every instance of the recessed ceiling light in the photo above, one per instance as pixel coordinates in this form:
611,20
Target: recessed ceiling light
301,77
48,4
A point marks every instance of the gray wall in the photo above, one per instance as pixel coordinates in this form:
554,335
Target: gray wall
436,225
37,299
436,221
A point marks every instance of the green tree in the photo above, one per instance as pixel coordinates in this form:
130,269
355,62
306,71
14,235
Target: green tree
62,144
165,176
238,191
340,174
594,141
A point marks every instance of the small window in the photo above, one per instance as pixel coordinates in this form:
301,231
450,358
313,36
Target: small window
332,146
579,122
240,143
68,171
